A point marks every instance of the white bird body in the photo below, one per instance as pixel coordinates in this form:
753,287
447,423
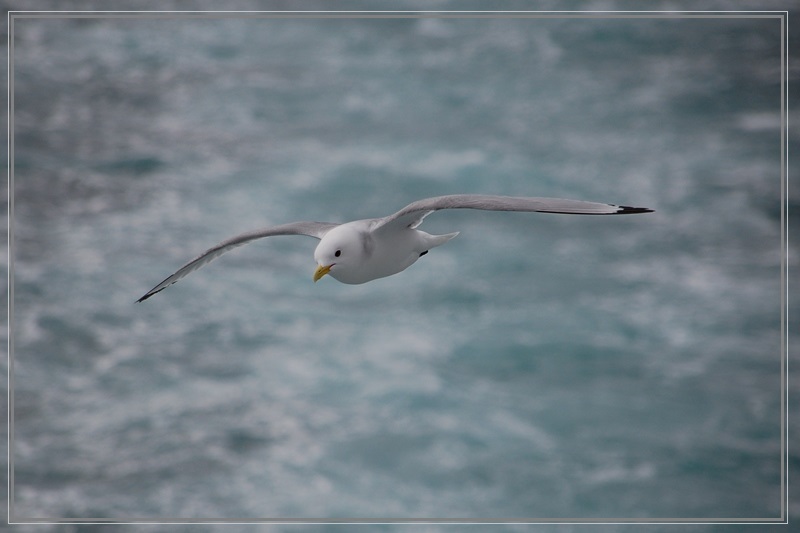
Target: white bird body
364,250
364,257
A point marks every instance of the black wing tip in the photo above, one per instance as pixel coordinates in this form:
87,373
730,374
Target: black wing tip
149,294
628,210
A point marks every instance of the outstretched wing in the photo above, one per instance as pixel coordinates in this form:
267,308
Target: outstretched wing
412,214
311,229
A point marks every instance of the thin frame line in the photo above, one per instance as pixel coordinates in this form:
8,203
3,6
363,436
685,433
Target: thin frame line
10,269
384,520
403,14
782,15
785,264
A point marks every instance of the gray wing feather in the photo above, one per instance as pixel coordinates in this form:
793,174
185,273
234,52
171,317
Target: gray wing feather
412,214
311,229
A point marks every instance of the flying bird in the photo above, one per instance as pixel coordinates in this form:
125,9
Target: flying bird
363,250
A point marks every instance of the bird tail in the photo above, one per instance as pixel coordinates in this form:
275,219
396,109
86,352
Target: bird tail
438,240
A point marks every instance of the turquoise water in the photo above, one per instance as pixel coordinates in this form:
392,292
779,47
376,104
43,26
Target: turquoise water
537,366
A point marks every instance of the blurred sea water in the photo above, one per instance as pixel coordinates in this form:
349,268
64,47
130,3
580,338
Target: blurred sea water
538,366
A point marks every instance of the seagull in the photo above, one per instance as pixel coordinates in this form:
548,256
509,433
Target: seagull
364,250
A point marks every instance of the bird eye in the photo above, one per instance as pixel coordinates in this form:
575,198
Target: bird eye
338,253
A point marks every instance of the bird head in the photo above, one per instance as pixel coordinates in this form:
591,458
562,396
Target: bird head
339,253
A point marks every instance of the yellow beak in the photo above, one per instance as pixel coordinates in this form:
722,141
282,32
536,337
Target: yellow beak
321,271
